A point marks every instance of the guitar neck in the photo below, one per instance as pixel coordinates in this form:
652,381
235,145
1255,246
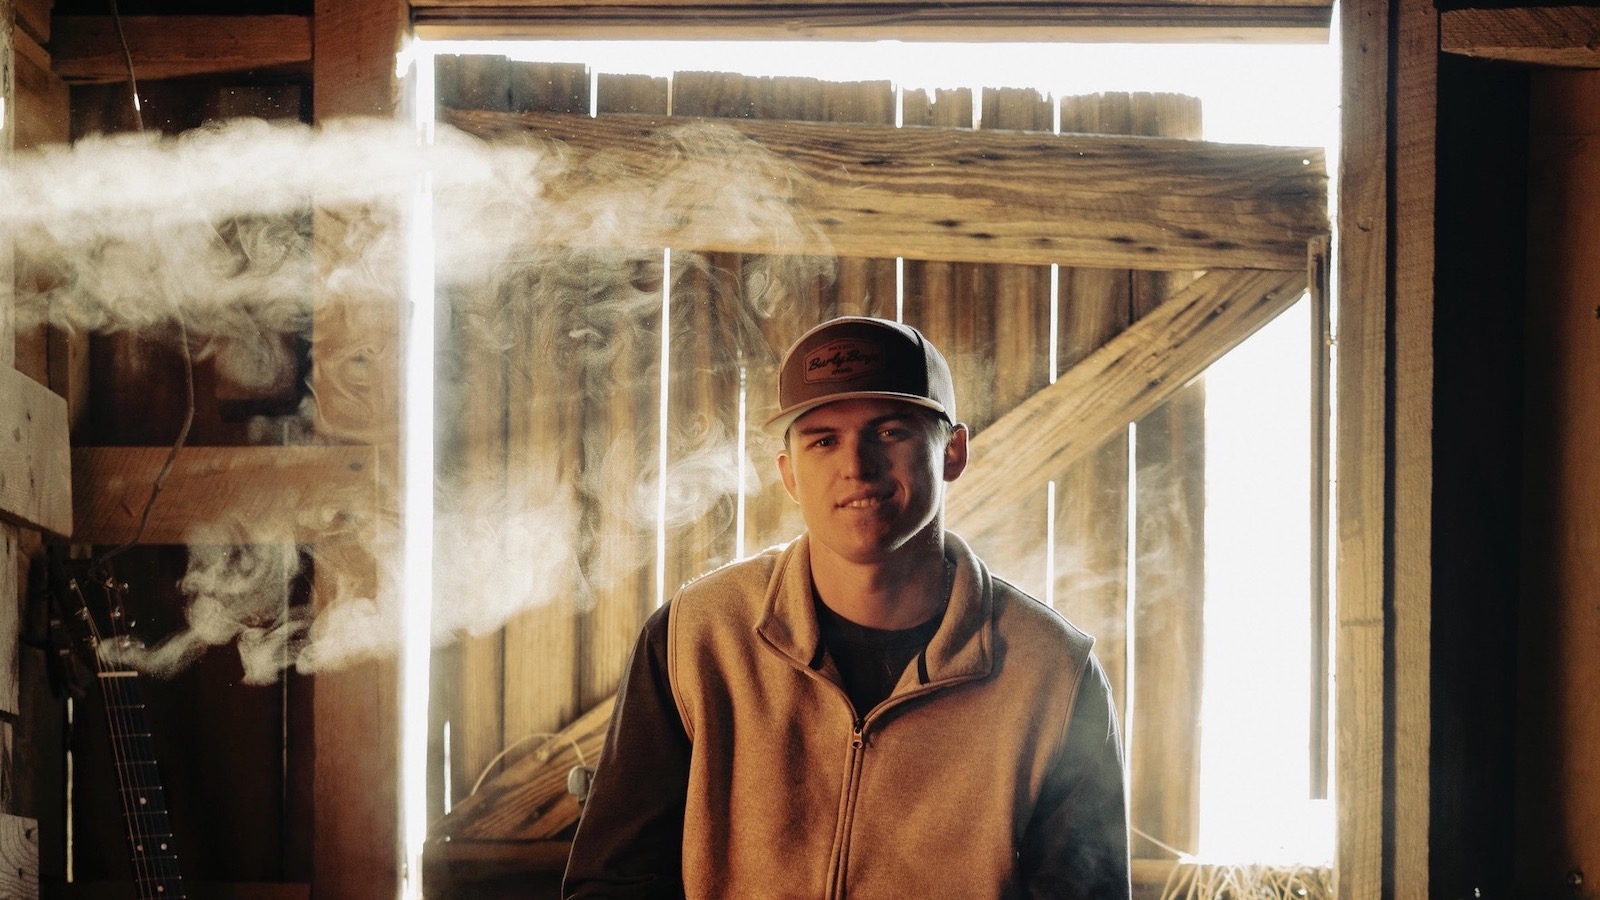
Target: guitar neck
144,801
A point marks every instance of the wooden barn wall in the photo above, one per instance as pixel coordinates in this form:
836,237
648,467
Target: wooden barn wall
558,420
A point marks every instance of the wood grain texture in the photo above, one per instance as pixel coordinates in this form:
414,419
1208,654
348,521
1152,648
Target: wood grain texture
1169,563
14,563
1113,21
954,194
33,17
300,494
1362,531
19,857
1415,76
1561,36
355,43
41,111
86,48
355,373
1122,381
35,475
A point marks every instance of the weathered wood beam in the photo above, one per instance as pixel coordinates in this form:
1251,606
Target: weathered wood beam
19,857
1132,374
303,494
528,800
33,17
355,338
941,193
1147,22
35,481
1562,36
86,48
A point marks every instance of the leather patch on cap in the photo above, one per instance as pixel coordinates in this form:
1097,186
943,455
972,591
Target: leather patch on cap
844,359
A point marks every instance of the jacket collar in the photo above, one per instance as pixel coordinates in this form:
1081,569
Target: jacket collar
961,648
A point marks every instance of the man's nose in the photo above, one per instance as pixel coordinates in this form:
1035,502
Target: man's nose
865,459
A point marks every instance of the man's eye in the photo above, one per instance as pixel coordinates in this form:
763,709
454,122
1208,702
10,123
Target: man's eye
892,434
827,441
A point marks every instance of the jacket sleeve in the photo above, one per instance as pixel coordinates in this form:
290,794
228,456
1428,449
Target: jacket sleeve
629,842
1076,846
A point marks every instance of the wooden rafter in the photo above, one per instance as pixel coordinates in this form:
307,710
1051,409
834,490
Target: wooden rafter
86,49
35,484
949,194
1129,376
1014,21
1565,36
308,493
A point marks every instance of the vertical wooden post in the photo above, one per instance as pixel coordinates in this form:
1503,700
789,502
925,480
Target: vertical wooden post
19,841
1415,75
1362,447
355,376
1558,721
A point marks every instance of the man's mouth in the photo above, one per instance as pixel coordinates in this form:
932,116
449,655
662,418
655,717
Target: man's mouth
863,501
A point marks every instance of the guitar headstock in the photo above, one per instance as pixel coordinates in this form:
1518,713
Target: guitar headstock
90,606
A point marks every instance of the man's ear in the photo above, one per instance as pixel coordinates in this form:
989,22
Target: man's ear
786,469
955,453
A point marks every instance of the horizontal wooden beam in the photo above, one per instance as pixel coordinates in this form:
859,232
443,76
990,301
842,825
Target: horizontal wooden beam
926,193
35,480
86,48
303,494
528,800
1128,377
1561,36
960,22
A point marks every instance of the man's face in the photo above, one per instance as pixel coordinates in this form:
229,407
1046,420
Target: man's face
869,475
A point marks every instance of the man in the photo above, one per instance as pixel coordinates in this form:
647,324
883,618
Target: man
866,712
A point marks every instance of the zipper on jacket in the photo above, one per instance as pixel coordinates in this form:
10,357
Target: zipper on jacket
847,814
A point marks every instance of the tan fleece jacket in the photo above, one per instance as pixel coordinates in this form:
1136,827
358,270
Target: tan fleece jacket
928,795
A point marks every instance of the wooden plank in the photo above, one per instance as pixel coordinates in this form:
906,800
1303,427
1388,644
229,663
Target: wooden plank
1563,36
302,494
8,130
86,48
1169,565
355,336
33,17
1055,6
879,191
1131,375
19,857
14,563
353,69
35,478
529,799
1362,450
547,302
1151,22
1415,97
1091,550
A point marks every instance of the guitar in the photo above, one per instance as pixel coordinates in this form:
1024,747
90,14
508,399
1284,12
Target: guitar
144,804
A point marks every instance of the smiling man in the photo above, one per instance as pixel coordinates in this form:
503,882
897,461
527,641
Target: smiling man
866,712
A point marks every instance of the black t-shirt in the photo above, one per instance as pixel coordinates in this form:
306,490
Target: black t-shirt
870,660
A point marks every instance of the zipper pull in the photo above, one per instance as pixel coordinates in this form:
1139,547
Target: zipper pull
856,741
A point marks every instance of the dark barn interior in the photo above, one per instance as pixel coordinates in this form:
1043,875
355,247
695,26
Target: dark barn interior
151,458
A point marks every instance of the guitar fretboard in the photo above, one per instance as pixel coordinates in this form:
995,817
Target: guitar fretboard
144,801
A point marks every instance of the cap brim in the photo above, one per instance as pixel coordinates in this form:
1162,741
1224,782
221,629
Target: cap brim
779,424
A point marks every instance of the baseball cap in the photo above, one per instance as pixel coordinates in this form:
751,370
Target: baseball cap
854,357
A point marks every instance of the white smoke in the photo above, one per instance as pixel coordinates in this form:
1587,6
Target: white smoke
234,230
